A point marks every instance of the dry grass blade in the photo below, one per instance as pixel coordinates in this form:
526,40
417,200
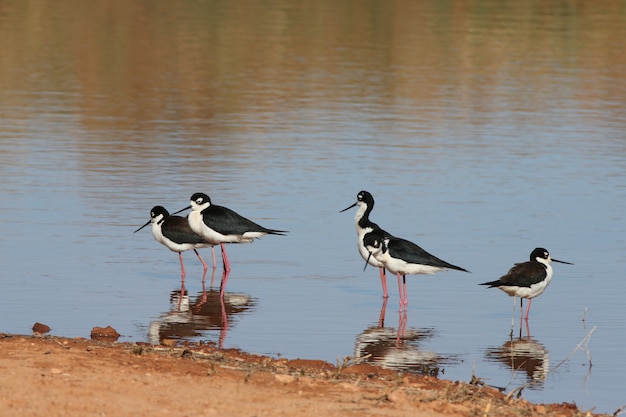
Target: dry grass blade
583,343
619,410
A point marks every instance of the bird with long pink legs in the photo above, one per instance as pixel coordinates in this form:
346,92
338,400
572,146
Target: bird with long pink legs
220,225
365,202
527,279
175,234
402,257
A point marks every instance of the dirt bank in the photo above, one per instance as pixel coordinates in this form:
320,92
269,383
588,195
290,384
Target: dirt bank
52,376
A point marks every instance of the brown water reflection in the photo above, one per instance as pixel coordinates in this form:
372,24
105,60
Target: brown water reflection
191,318
120,65
523,355
399,347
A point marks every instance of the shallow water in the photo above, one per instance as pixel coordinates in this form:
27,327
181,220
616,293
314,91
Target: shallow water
483,130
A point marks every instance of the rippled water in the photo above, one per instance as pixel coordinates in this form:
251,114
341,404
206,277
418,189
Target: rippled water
482,129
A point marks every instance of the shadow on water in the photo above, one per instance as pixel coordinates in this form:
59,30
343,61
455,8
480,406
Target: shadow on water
191,317
523,354
398,347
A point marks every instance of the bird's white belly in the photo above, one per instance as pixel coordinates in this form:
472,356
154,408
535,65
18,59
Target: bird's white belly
195,222
198,226
249,236
526,292
398,266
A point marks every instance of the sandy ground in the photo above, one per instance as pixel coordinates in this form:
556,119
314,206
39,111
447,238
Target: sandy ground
51,376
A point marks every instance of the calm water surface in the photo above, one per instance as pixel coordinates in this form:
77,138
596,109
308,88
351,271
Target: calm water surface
483,129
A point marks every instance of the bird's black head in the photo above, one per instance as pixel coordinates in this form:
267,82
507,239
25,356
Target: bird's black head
362,197
540,253
157,211
200,198
543,254
154,213
365,197
374,240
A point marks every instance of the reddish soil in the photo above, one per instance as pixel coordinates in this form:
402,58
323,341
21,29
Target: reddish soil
52,376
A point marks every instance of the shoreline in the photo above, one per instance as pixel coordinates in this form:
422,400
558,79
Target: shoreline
52,375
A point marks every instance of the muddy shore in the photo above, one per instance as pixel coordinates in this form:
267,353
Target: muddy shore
57,376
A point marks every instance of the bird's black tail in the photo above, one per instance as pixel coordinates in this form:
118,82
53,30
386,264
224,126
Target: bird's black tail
277,232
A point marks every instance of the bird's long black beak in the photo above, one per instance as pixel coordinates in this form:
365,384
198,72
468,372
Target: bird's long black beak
561,262
348,208
142,226
367,261
186,208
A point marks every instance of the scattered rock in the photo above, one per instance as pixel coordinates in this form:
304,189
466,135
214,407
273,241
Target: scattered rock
309,363
40,328
104,333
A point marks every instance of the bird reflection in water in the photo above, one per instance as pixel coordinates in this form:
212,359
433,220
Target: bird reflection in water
190,318
523,354
398,348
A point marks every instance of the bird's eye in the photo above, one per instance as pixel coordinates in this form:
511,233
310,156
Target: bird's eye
198,200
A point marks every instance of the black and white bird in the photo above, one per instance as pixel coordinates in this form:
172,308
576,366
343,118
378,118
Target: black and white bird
219,225
365,202
402,257
527,279
175,234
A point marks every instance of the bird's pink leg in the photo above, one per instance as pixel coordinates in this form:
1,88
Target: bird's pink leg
182,267
527,330
402,325
383,280
213,255
182,294
224,328
206,267
528,309
401,289
225,258
383,310
513,316
204,277
212,277
225,275
406,296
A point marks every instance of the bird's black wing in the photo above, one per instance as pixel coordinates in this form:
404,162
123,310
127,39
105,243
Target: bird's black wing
177,229
227,222
522,274
412,253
